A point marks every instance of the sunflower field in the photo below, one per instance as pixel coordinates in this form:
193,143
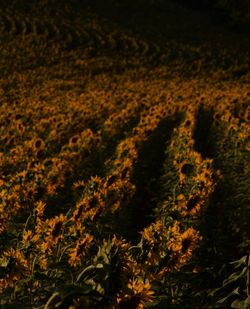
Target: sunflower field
124,165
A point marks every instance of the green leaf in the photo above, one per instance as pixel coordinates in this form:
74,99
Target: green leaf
67,292
100,289
214,291
234,292
99,265
84,272
4,261
239,262
247,301
235,276
239,304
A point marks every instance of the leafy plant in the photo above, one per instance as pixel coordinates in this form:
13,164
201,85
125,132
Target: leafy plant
236,287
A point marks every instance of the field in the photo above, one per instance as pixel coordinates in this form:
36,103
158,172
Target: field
124,157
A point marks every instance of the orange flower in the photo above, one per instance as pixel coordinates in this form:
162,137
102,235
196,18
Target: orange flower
82,245
182,245
18,265
138,294
55,228
40,209
190,207
27,236
189,241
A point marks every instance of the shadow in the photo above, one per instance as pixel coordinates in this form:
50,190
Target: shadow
202,132
147,172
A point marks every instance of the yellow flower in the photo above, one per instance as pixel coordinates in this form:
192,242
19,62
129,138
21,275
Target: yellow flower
138,294
181,197
74,141
189,241
182,245
27,235
190,207
51,189
43,262
153,233
79,184
40,209
82,245
55,228
19,268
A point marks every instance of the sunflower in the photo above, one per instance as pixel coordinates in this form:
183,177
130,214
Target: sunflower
138,294
80,249
192,206
189,241
17,265
55,228
40,209
182,245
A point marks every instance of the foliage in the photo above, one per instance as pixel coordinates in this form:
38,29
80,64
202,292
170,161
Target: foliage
237,284
124,167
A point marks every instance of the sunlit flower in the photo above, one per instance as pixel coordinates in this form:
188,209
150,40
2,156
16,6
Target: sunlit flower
27,236
189,241
54,231
18,268
82,245
40,209
138,294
